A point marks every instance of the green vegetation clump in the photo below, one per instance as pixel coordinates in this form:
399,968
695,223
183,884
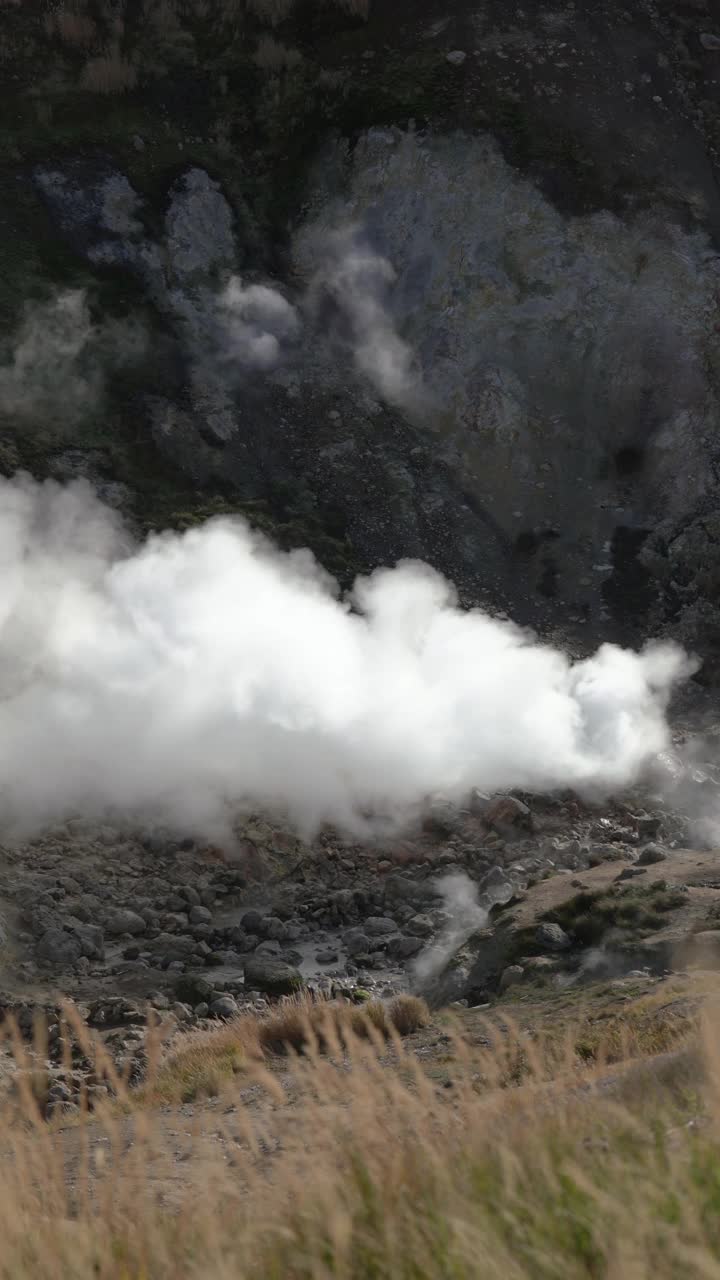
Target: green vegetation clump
588,916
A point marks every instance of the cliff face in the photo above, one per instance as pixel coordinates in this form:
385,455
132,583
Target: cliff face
396,284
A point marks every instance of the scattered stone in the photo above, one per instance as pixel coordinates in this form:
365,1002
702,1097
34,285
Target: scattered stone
252,922
170,946
443,819
552,936
647,826
182,1012
605,853
401,948
268,948
496,886
710,41
456,57
378,926
420,926
326,957
224,1007
125,921
506,813
273,977
356,942
541,964
651,854
200,915
511,976
59,947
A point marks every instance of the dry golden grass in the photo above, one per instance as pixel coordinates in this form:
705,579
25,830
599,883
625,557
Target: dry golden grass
204,1063
201,1067
373,1165
297,1023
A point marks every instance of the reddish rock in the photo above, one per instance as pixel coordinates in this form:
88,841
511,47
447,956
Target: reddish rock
506,811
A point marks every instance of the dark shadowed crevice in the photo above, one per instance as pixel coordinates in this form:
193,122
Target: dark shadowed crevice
629,461
630,591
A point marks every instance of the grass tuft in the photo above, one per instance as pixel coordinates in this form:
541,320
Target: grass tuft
512,1158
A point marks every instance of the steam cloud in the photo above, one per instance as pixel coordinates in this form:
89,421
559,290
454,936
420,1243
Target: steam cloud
50,341
59,358
465,916
203,673
357,279
257,321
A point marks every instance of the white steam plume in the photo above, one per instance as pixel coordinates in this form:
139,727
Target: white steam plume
357,280
51,339
59,359
257,321
201,673
464,917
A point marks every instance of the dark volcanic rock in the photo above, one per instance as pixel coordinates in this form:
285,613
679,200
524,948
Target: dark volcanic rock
271,976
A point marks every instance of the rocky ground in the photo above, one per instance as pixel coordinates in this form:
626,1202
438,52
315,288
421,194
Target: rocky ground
511,891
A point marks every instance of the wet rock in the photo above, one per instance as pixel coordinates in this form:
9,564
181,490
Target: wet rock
193,988
497,886
379,926
91,938
175,922
420,926
600,853
271,976
171,946
59,947
647,826
443,818
356,942
404,889
401,948
506,813
651,854
343,905
268,948
113,1012
125,921
253,922
224,1007
552,937
222,958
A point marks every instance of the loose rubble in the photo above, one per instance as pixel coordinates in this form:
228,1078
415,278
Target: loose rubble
120,922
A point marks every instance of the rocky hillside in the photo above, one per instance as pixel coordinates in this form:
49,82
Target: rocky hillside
389,281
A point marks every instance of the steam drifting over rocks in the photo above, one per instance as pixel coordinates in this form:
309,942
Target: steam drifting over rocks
198,675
